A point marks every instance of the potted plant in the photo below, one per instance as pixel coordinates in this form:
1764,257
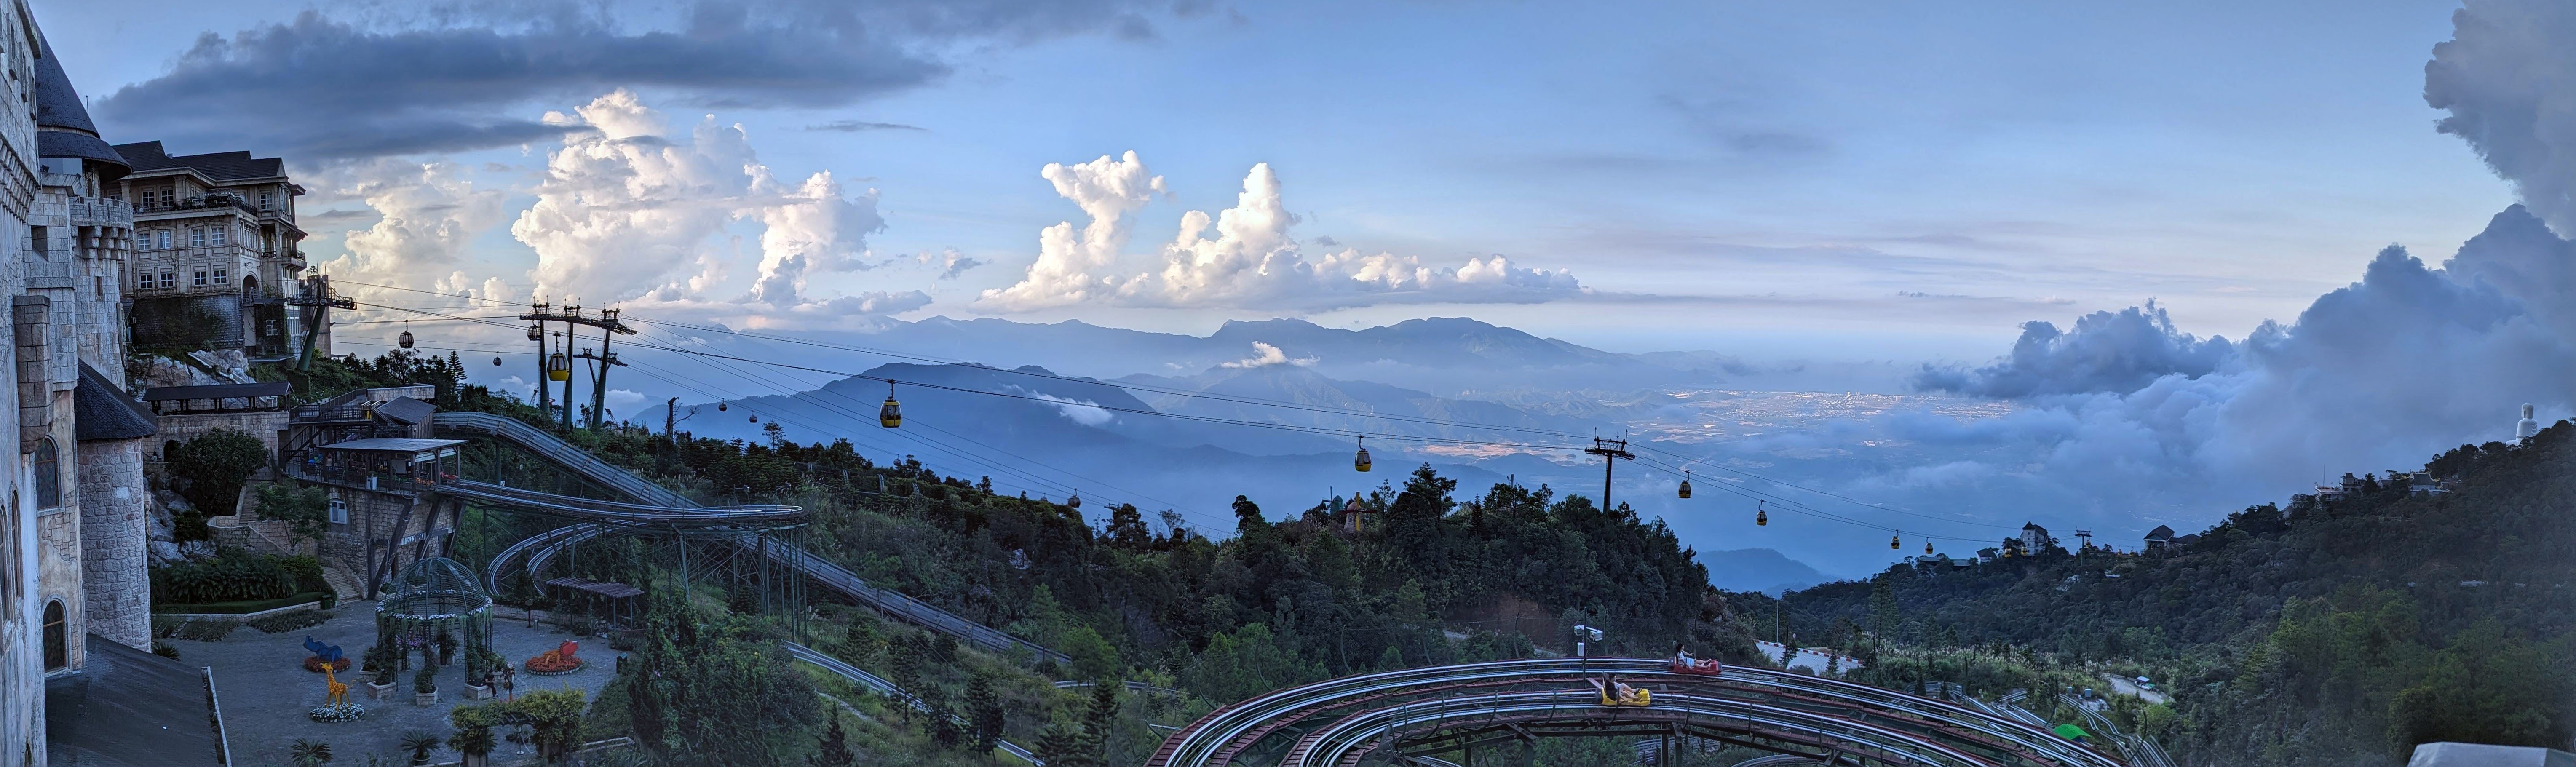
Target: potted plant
424,686
382,688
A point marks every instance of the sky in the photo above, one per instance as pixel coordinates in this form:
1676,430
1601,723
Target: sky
2184,257
1820,180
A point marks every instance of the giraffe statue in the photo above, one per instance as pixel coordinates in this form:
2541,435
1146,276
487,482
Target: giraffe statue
339,689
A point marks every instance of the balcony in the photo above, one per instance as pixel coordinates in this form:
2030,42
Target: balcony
211,201
101,211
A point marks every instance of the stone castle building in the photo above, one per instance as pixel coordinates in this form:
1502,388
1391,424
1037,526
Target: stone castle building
73,527
217,251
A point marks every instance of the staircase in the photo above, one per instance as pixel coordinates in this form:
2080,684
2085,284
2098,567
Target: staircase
347,586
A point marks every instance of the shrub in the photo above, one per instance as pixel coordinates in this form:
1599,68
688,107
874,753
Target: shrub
166,650
290,621
214,466
426,680
229,577
305,510
207,631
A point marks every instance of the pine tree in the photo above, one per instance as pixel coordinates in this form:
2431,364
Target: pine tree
1061,745
833,748
1099,724
983,713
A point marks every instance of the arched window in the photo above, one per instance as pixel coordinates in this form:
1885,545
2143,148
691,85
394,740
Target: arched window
57,637
49,475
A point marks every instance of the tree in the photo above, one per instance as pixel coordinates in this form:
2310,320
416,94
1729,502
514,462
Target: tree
420,743
1061,745
213,466
305,510
983,712
833,748
722,693
1099,723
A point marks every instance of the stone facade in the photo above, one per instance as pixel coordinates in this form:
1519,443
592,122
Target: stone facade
22,689
114,509
217,251
181,427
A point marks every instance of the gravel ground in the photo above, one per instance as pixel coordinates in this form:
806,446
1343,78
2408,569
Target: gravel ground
266,690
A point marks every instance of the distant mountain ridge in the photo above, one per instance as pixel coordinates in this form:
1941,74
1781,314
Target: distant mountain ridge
1763,570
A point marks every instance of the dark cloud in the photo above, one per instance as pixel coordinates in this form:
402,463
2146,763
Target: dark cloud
2106,352
467,77
861,126
2505,77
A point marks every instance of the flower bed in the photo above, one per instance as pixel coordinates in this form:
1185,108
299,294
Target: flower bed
552,663
337,712
314,664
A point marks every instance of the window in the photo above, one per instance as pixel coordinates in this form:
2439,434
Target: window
215,236
339,508
270,328
169,280
49,475
57,637
197,237
143,282
267,199
219,276
36,240
197,279
162,237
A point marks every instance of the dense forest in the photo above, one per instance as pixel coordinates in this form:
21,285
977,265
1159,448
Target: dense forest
2336,630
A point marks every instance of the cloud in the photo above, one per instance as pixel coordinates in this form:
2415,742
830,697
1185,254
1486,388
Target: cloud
445,78
2508,78
951,263
2106,352
628,213
1244,258
1264,355
427,214
861,126
1083,412
1107,189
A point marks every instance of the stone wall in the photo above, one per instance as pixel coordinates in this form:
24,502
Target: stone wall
178,427
209,321
114,528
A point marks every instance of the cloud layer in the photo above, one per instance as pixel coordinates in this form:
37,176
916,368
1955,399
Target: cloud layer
1243,257
2508,78
320,87
2106,352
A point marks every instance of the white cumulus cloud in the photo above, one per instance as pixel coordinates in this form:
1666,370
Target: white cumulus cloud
1242,257
1264,355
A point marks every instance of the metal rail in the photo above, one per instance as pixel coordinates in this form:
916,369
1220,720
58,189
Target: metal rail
655,499
1215,739
880,686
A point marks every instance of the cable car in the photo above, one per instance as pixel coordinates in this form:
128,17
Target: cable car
536,332
1073,501
1360,462
1893,544
890,415
1686,484
720,406
496,362
1760,518
404,340
1927,546
755,418
558,368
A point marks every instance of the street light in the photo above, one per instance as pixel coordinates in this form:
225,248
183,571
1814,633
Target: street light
1581,633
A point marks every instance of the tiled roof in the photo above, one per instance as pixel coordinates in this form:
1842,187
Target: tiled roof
405,410
63,128
220,166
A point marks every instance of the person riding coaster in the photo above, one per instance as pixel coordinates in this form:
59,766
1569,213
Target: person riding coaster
1618,693
1683,663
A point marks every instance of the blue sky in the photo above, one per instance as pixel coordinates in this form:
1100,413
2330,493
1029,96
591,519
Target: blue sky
1770,180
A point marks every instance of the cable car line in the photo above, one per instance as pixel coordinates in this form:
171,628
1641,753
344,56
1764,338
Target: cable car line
1212,419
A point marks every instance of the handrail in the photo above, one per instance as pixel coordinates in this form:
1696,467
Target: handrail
660,500
880,686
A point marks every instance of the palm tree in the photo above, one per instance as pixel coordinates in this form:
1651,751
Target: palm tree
307,753
419,744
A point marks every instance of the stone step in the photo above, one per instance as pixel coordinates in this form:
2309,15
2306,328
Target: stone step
343,583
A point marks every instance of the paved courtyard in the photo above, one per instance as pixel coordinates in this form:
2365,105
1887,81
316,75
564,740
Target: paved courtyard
266,690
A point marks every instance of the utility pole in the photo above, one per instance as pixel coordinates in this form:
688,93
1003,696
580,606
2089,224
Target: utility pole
1610,450
609,326
2087,537
671,420
318,301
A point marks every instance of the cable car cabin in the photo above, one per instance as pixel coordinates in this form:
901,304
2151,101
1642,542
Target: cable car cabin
1360,461
558,368
1892,543
536,332
404,340
1760,517
1685,488
384,463
1073,501
891,414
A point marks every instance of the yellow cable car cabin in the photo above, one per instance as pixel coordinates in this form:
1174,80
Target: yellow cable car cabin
1760,517
558,368
1360,462
1892,543
1685,485
1927,546
890,415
